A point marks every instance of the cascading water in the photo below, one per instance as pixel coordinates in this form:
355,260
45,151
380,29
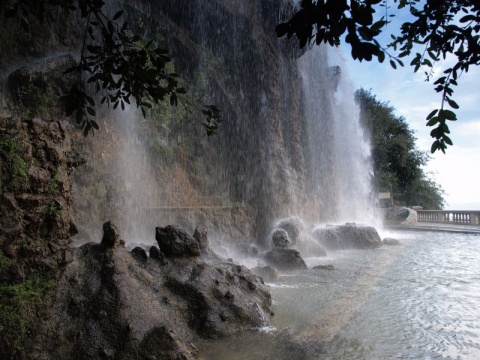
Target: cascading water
339,165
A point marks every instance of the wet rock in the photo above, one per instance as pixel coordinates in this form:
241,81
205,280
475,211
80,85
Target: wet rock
390,241
324,267
348,236
201,236
222,298
280,238
293,226
156,254
267,273
285,259
111,236
175,242
143,311
140,253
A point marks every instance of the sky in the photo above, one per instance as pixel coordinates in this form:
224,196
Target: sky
457,171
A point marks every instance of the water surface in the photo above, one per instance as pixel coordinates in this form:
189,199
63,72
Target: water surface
419,300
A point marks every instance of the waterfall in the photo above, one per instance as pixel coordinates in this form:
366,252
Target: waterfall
339,167
290,144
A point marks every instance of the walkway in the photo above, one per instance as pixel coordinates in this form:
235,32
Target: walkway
431,226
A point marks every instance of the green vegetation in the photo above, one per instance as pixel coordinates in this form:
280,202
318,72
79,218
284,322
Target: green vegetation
21,303
117,64
16,166
439,29
397,162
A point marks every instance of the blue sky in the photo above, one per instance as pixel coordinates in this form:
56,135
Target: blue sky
457,171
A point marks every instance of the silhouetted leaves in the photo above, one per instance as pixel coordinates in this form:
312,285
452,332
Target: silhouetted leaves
117,64
435,27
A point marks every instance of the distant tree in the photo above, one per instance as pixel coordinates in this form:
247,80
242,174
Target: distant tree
440,29
397,162
117,63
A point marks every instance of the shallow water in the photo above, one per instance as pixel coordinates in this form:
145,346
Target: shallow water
419,300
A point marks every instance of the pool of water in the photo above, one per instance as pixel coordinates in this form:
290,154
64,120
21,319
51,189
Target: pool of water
418,300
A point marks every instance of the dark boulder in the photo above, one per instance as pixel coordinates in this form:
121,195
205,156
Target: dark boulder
140,253
175,242
111,236
285,259
156,254
280,238
293,226
348,236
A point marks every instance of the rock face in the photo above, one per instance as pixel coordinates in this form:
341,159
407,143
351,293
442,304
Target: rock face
348,236
285,259
111,305
175,242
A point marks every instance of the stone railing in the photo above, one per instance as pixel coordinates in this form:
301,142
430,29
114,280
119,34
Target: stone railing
466,217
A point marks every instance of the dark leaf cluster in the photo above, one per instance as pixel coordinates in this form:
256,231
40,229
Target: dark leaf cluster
119,65
440,28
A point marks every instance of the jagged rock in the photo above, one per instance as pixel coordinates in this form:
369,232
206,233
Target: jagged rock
267,273
390,241
293,226
201,236
107,304
285,259
280,238
111,236
140,253
348,237
175,242
156,254
324,267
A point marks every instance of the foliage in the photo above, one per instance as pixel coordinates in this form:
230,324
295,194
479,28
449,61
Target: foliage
441,29
397,162
118,64
15,165
20,304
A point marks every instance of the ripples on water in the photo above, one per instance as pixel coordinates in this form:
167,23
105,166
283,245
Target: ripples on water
419,300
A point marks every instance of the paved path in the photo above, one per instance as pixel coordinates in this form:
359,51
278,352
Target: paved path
430,226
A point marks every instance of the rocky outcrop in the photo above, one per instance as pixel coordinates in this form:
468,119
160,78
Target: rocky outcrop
280,238
111,304
175,242
293,226
348,236
36,160
285,259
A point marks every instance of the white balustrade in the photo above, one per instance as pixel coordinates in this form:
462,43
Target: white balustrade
466,217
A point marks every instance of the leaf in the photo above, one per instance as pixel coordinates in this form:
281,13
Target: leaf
453,104
94,124
392,63
432,114
432,121
447,140
449,115
91,111
117,15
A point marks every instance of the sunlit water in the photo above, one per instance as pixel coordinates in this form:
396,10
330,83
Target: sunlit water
419,300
